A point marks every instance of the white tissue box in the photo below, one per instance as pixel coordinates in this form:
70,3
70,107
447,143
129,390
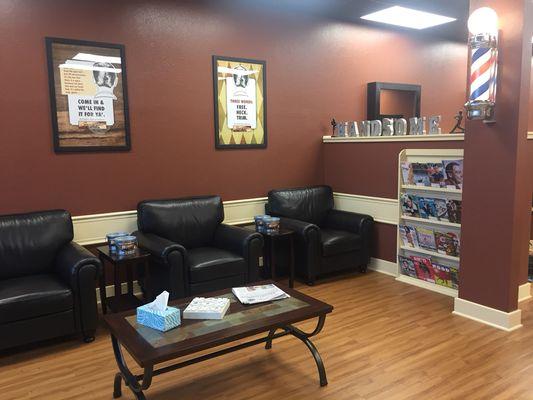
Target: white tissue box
206,308
160,320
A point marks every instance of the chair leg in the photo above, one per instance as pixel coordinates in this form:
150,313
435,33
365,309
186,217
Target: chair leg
88,337
363,268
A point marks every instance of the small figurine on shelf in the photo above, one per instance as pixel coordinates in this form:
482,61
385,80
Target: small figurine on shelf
458,128
333,127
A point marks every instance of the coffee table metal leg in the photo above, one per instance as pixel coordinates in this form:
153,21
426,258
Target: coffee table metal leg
268,344
316,356
117,386
129,379
304,337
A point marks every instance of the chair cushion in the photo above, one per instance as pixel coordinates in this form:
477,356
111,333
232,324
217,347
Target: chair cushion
337,242
33,296
208,263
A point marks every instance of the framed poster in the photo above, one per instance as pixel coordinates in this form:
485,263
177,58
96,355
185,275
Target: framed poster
88,95
240,103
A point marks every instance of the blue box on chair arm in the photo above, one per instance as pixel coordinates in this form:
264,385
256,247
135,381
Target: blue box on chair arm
160,320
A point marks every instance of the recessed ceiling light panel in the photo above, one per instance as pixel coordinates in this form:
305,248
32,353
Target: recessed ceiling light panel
407,17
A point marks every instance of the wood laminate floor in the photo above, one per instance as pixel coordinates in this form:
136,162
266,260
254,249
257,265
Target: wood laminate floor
384,340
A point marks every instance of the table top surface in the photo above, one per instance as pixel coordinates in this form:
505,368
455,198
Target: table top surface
149,346
282,231
139,254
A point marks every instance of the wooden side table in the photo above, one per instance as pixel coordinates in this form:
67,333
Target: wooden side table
122,302
270,250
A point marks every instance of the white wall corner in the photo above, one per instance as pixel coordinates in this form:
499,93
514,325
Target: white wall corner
383,266
507,321
524,292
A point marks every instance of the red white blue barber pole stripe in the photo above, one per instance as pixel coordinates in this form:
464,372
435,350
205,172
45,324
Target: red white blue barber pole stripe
483,74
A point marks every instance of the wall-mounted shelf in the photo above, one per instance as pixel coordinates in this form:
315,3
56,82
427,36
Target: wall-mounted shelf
445,137
422,227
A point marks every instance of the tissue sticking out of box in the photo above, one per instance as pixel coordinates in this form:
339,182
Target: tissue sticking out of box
160,303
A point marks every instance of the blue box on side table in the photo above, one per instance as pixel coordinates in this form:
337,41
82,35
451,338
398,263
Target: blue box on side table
160,320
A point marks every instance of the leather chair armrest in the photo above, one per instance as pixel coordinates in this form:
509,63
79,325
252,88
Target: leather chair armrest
170,256
236,239
248,244
351,222
79,268
158,246
70,261
303,229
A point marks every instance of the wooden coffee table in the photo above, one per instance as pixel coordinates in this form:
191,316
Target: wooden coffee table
149,347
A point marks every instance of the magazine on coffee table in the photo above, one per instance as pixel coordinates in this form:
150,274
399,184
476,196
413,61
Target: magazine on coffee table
259,293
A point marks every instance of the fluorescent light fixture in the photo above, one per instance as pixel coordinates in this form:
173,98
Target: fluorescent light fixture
407,17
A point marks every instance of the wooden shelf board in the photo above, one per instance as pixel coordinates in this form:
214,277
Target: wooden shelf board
431,221
432,189
399,138
428,285
430,253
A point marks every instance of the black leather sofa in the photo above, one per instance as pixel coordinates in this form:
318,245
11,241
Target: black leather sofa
192,250
47,282
327,240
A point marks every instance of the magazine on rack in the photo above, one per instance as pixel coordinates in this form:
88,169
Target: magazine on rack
427,208
259,294
408,236
407,266
426,239
453,169
435,172
424,268
409,204
454,210
443,275
442,209
420,174
407,173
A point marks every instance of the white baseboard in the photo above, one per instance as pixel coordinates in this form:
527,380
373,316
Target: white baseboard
383,210
524,292
507,321
383,266
91,229
110,290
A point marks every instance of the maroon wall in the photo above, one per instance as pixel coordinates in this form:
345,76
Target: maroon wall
316,70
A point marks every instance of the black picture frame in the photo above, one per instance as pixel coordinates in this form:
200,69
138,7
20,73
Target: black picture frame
58,148
373,98
221,146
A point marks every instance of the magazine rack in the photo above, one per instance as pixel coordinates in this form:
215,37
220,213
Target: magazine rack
441,226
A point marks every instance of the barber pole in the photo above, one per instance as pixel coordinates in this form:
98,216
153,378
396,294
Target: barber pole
483,25
483,74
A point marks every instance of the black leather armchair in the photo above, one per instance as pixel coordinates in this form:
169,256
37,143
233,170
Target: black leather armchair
327,240
192,250
47,282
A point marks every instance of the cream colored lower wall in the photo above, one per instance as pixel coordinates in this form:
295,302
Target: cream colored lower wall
91,229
